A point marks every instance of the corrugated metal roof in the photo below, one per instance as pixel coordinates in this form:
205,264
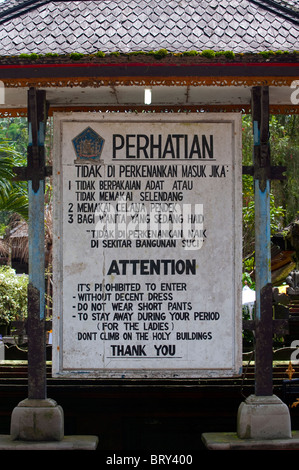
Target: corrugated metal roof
43,26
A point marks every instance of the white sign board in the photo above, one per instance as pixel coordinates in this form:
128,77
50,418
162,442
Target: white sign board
147,245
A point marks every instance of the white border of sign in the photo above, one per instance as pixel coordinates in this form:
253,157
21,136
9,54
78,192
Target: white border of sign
235,367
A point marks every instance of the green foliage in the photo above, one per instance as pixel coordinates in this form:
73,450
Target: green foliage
284,198
190,53
2,229
13,195
266,54
284,141
277,214
76,55
13,295
33,56
100,54
13,145
227,54
51,54
208,53
160,54
248,264
13,131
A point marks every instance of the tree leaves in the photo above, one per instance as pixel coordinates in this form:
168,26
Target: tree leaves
13,295
13,194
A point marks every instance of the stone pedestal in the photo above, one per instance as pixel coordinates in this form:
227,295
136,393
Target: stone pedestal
263,417
263,423
37,420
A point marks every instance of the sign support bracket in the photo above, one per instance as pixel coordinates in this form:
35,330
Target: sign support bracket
37,116
37,418
263,415
263,173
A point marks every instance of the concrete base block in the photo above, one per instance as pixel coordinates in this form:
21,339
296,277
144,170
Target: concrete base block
263,417
37,420
67,443
230,441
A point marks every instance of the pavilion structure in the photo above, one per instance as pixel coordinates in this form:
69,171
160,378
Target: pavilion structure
197,56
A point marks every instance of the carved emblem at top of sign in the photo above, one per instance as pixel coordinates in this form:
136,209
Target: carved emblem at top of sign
88,146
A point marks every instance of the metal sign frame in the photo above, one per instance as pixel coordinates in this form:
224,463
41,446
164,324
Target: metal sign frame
76,362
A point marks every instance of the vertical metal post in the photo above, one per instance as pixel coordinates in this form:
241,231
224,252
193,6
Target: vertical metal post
36,290
262,176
